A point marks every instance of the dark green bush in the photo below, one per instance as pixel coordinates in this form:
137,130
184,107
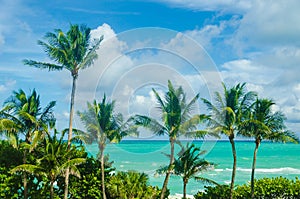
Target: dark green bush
265,188
221,191
89,185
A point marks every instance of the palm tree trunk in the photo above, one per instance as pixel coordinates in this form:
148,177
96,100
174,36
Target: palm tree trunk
70,132
102,171
165,184
51,190
257,142
184,188
233,167
25,176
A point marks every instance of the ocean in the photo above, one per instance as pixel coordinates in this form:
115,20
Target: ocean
273,159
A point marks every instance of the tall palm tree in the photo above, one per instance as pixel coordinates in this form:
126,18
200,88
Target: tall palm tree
176,121
226,115
189,164
56,159
72,51
263,124
104,127
23,116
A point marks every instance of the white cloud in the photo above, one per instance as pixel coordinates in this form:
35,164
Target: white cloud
245,70
16,35
274,83
208,5
269,23
7,85
125,67
140,99
206,34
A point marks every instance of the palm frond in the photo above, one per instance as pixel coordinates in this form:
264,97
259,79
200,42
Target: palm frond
205,180
42,65
149,123
188,108
29,168
91,55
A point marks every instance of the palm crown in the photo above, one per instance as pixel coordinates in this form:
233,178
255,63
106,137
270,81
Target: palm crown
23,115
72,51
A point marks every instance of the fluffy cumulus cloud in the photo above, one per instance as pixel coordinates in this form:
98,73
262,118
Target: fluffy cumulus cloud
270,23
262,41
128,68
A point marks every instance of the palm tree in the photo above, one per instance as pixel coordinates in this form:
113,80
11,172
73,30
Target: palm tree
23,115
72,51
176,121
56,159
226,116
265,124
189,164
104,127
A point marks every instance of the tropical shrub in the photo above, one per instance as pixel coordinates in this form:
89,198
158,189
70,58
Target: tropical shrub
131,185
269,188
212,192
90,184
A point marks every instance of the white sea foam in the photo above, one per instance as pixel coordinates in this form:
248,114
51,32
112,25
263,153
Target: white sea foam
179,196
219,170
288,170
227,181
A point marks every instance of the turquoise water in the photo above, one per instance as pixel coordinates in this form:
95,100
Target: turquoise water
274,159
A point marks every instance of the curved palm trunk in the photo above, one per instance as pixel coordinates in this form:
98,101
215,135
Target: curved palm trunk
102,171
165,184
257,142
70,132
233,167
184,188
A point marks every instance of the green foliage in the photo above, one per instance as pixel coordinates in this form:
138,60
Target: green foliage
131,185
270,188
89,185
9,184
221,191
9,156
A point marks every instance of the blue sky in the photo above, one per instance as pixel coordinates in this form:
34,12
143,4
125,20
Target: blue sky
197,44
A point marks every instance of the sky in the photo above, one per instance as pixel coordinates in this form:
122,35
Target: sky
196,44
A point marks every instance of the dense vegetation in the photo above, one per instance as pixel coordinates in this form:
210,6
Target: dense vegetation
275,188
35,161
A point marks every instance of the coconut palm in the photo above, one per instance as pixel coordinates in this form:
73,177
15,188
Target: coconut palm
103,126
23,116
189,164
176,121
72,51
264,124
226,115
56,159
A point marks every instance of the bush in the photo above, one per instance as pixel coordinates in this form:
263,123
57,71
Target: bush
89,185
131,185
220,191
265,188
